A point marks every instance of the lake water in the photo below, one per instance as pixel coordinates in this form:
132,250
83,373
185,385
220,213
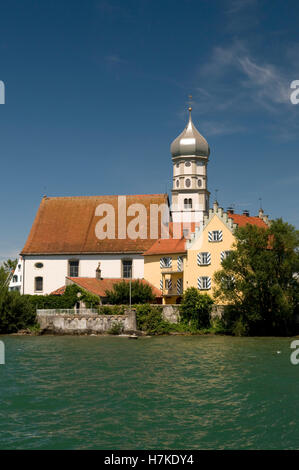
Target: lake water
172,392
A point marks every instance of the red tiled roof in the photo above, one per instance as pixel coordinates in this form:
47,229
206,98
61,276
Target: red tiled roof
167,246
171,244
59,291
243,220
67,225
99,286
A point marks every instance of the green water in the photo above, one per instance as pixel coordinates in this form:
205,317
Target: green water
153,393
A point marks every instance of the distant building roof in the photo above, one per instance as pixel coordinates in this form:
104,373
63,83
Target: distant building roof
66,225
243,220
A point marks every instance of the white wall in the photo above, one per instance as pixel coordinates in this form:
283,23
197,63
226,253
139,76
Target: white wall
55,269
17,285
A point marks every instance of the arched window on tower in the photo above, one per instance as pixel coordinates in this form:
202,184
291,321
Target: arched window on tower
187,203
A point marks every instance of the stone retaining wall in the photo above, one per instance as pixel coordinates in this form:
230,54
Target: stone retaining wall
89,322
63,323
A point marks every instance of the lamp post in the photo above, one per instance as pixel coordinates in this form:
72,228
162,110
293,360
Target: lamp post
130,291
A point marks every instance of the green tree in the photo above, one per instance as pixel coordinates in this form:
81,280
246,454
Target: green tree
258,280
195,308
16,312
10,265
120,294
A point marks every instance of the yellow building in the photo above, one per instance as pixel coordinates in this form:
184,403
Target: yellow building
172,265
164,264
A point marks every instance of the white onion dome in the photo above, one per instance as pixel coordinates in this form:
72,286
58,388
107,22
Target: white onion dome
190,142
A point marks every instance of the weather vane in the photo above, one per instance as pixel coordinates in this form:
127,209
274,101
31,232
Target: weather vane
260,199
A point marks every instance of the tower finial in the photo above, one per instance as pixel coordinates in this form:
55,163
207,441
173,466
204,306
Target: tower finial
190,107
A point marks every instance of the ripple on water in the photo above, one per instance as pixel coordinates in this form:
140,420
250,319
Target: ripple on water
164,392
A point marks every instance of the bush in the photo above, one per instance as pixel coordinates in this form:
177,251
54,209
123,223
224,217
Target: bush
16,312
150,320
116,328
120,293
195,309
111,310
65,301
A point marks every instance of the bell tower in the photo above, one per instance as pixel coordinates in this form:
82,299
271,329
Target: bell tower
190,196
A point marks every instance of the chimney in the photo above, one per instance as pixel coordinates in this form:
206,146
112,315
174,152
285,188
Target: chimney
246,213
230,210
99,272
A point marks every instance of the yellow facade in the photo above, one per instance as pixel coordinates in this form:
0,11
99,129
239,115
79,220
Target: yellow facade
167,279
204,254
202,245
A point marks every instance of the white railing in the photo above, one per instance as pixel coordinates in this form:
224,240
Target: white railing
67,311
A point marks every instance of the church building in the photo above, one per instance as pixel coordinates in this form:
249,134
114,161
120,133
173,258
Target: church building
64,245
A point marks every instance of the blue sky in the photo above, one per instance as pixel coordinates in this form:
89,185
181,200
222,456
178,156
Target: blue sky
97,90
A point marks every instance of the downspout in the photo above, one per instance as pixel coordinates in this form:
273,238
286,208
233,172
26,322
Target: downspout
23,276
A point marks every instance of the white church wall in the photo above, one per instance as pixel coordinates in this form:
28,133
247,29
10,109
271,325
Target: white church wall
56,268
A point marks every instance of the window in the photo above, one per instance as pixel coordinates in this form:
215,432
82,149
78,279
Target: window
39,284
187,164
203,258
188,183
39,265
215,236
199,183
74,268
177,183
204,283
178,165
224,254
188,203
165,262
15,279
199,163
19,267
179,286
127,268
228,282
168,284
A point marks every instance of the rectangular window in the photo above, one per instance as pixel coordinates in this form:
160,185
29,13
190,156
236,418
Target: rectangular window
165,262
127,268
39,284
203,258
224,254
74,268
215,236
204,283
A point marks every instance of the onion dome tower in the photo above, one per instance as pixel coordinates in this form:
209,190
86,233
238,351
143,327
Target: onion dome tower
190,196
